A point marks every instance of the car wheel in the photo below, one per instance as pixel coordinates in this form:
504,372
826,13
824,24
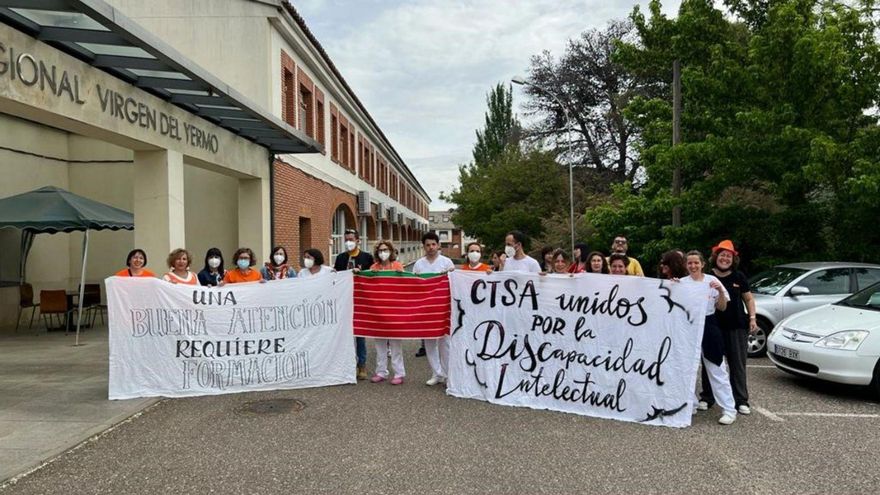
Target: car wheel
758,341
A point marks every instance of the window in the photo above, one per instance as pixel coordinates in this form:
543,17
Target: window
334,137
319,117
445,218
288,100
867,276
827,282
431,218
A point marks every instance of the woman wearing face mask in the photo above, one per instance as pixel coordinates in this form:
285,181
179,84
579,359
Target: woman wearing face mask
212,274
136,263
386,261
243,271
178,262
579,258
474,255
277,268
712,344
313,263
386,258
596,263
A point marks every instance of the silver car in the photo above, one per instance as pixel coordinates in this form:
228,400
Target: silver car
788,289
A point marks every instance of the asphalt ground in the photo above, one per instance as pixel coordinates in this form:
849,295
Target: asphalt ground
376,438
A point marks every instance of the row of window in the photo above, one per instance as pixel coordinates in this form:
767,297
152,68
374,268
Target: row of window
303,108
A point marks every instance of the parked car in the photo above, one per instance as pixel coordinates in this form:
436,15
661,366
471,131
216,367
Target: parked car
837,342
794,287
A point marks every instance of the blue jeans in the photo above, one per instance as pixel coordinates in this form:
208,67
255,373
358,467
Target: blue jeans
360,344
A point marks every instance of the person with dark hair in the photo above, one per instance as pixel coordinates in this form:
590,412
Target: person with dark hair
356,260
546,260
712,343
437,350
212,274
596,263
474,257
579,258
560,262
498,258
179,261
672,265
620,246
277,268
617,264
517,260
313,263
243,271
735,324
136,261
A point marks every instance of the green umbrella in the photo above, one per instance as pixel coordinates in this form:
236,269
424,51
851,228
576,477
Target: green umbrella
50,210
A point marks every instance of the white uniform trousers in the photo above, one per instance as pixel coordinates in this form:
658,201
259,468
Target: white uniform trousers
396,346
719,378
437,351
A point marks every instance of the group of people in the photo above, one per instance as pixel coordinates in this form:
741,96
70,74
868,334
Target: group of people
730,312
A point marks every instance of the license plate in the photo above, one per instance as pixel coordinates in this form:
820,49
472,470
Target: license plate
786,352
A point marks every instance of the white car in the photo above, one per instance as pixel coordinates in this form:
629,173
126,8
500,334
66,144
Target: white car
837,342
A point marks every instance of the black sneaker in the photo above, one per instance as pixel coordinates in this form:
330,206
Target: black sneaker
420,352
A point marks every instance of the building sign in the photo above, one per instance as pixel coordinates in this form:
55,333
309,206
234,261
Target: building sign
23,70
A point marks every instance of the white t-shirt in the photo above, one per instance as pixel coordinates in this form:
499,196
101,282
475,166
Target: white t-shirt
306,273
527,264
713,294
441,264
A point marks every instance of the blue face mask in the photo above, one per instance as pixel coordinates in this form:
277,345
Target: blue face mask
243,264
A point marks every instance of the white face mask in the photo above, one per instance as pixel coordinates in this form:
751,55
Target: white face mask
510,251
384,255
279,258
213,262
308,262
350,245
474,256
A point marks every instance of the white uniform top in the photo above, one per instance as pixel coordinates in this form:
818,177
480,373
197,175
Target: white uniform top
527,264
713,294
441,264
306,273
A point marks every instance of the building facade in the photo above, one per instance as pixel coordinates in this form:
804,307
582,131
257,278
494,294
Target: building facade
218,123
452,241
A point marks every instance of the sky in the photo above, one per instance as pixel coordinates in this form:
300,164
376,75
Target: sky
423,68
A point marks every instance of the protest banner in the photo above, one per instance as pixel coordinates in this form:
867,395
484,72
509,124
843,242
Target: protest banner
617,347
180,341
400,305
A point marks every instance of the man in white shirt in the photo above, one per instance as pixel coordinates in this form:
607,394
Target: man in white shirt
437,350
517,259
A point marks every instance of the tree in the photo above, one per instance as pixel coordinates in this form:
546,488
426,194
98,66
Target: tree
501,130
594,89
780,148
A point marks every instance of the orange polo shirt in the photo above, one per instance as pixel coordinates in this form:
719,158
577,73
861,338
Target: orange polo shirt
396,266
125,273
235,276
482,267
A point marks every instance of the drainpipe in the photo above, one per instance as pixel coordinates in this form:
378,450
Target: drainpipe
271,199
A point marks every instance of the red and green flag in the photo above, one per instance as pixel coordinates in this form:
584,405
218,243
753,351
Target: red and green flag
400,305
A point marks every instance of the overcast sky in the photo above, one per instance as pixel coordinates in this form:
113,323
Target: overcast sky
423,67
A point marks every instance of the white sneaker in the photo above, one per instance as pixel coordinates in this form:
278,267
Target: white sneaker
727,419
702,406
744,409
434,380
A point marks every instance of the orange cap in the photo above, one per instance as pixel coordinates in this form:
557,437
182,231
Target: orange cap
726,245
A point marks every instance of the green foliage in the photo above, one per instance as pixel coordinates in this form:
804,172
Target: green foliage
515,192
501,130
780,148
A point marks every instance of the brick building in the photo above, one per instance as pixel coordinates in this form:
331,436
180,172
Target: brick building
452,241
265,51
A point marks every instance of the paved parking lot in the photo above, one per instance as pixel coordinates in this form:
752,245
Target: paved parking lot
375,438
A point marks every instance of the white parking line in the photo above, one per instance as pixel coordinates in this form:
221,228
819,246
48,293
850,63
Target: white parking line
768,414
829,415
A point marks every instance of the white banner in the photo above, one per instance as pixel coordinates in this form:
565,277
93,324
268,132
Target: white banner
618,347
180,341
